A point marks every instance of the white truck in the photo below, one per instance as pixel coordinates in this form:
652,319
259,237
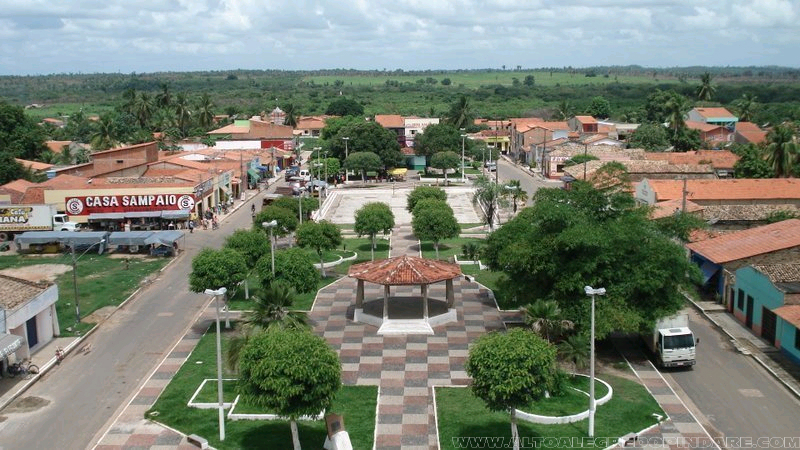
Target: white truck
21,218
672,342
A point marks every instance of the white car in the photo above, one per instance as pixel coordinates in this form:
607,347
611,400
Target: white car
491,166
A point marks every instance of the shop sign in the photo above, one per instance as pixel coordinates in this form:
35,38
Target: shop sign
80,206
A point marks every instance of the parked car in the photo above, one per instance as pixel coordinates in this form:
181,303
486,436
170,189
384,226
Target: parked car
491,166
290,172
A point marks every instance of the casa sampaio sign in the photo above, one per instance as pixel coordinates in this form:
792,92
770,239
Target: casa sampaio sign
81,206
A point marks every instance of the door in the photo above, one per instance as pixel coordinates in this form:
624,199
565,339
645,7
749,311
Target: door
748,318
768,324
33,336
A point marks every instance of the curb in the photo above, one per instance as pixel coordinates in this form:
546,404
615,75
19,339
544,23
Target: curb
751,354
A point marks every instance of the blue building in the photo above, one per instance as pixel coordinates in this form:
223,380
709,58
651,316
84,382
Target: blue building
767,300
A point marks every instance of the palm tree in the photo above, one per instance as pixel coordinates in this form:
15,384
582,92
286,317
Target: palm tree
781,150
291,115
747,106
674,108
460,114
272,310
564,110
472,251
575,350
490,196
517,193
205,111
183,115
104,136
164,98
706,89
129,96
544,318
144,109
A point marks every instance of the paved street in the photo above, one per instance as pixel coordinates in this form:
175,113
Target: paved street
74,402
736,396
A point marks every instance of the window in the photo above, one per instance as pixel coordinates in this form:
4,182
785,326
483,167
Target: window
797,339
120,161
740,301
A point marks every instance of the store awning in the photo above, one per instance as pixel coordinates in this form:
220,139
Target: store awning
263,168
254,176
9,343
129,237
174,215
141,214
709,269
106,216
164,237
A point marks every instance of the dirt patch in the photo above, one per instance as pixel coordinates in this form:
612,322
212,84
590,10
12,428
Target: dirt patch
38,272
100,314
27,404
128,255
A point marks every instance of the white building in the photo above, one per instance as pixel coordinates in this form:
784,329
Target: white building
28,318
414,125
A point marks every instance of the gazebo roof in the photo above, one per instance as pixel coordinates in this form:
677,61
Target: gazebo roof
404,270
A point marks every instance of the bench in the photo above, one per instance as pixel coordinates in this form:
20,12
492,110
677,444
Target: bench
628,440
197,441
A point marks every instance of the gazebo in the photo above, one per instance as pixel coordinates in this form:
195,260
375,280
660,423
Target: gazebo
406,314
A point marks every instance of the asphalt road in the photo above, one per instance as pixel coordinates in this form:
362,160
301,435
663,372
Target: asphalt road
735,396
508,171
73,403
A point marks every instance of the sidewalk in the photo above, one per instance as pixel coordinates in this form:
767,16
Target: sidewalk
746,342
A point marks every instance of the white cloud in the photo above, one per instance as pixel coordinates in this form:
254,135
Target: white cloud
155,35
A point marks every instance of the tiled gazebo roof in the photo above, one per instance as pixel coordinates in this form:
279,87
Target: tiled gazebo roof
404,270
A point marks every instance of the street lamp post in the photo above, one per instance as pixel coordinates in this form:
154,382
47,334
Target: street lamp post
270,226
346,174
592,292
217,294
326,174
75,276
463,175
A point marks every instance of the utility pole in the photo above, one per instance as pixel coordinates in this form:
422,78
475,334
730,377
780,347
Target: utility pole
585,149
346,174
683,197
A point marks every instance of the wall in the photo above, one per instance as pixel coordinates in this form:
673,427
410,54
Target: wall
764,293
784,340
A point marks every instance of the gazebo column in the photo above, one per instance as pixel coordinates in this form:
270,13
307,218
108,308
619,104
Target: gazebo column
386,302
360,294
425,302
448,289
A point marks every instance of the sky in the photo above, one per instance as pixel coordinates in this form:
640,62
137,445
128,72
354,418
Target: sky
143,36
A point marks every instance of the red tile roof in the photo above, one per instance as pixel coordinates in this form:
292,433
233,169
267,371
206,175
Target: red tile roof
747,126
404,270
390,120
57,146
750,242
714,113
720,159
702,126
585,119
789,313
34,165
728,189
666,209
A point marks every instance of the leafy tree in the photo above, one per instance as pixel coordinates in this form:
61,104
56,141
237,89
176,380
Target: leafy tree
319,236
371,219
437,138
511,370
287,220
545,319
292,204
369,137
335,128
329,166
423,192
20,136
460,115
585,236
599,107
752,163
271,310
685,139
252,244
446,82
445,161
516,193
434,220
472,251
650,136
490,196
781,151
294,373
363,162
345,107
529,81
706,89
10,169
293,267
213,269
747,106
680,225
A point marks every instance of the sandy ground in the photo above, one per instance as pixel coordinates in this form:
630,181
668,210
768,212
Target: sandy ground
38,272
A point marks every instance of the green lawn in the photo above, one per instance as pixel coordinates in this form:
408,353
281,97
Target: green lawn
497,282
356,403
362,247
102,281
447,247
460,414
570,402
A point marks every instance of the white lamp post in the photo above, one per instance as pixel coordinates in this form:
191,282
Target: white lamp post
463,175
591,292
75,276
346,174
217,294
270,226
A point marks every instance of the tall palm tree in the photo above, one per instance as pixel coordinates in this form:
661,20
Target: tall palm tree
164,98
105,133
544,318
746,106
781,150
575,350
144,109
564,110
517,193
706,89
272,310
129,97
490,196
183,115
291,115
205,111
674,108
460,114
